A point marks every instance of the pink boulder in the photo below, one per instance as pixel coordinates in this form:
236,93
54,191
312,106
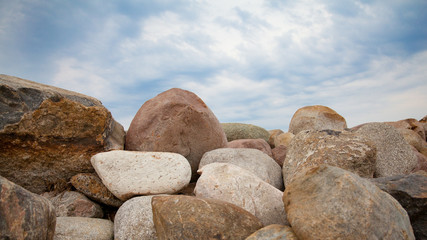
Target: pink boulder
258,143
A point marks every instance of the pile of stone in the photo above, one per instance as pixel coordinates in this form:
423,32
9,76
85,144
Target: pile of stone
70,171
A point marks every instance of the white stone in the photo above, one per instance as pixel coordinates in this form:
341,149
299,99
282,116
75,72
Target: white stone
253,160
130,173
230,183
70,228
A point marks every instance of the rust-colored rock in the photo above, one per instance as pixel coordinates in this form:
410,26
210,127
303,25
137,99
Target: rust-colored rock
273,133
283,139
75,204
279,154
410,124
185,217
273,232
24,215
176,121
258,143
48,134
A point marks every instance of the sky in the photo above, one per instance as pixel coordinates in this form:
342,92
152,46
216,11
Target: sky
251,61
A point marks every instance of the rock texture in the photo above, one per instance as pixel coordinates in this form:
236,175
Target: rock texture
75,204
394,154
24,215
283,139
130,173
176,121
91,185
344,149
230,183
252,160
68,228
316,118
48,134
235,131
331,203
273,133
185,217
279,154
410,124
273,232
259,144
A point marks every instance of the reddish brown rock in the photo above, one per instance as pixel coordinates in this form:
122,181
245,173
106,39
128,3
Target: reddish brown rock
283,139
316,118
273,232
91,185
279,154
259,144
75,204
24,215
410,124
273,133
48,134
185,217
176,121
421,161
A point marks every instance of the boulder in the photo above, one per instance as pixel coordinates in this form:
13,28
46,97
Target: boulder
235,131
134,220
411,192
283,139
413,139
252,160
75,204
230,183
423,122
176,121
259,144
82,228
279,154
273,232
316,118
328,202
24,215
47,134
346,150
421,161
91,185
185,217
410,124
273,133
394,155
130,173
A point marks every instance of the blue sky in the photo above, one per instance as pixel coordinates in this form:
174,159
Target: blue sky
250,61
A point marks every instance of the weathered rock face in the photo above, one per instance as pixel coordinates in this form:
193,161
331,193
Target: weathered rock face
185,217
346,150
279,154
83,228
413,139
316,118
130,173
283,139
235,131
48,134
273,133
176,121
331,203
134,220
273,232
230,183
75,204
24,215
410,124
252,160
394,154
259,144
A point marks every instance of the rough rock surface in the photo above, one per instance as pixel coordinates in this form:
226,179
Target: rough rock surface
273,232
69,228
230,183
185,217
394,154
273,133
176,121
410,124
252,160
48,134
259,144
91,185
130,173
134,220
283,139
235,131
325,202
316,118
279,154
24,215
346,150
413,139
75,204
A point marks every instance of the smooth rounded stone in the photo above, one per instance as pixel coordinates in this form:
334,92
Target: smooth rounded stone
134,220
176,121
346,150
230,183
316,118
394,155
186,217
283,139
130,173
259,144
48,134
23,214
71,228
328,202
279,154
91,185
252,160
75,204
273,133
273,232
235,131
